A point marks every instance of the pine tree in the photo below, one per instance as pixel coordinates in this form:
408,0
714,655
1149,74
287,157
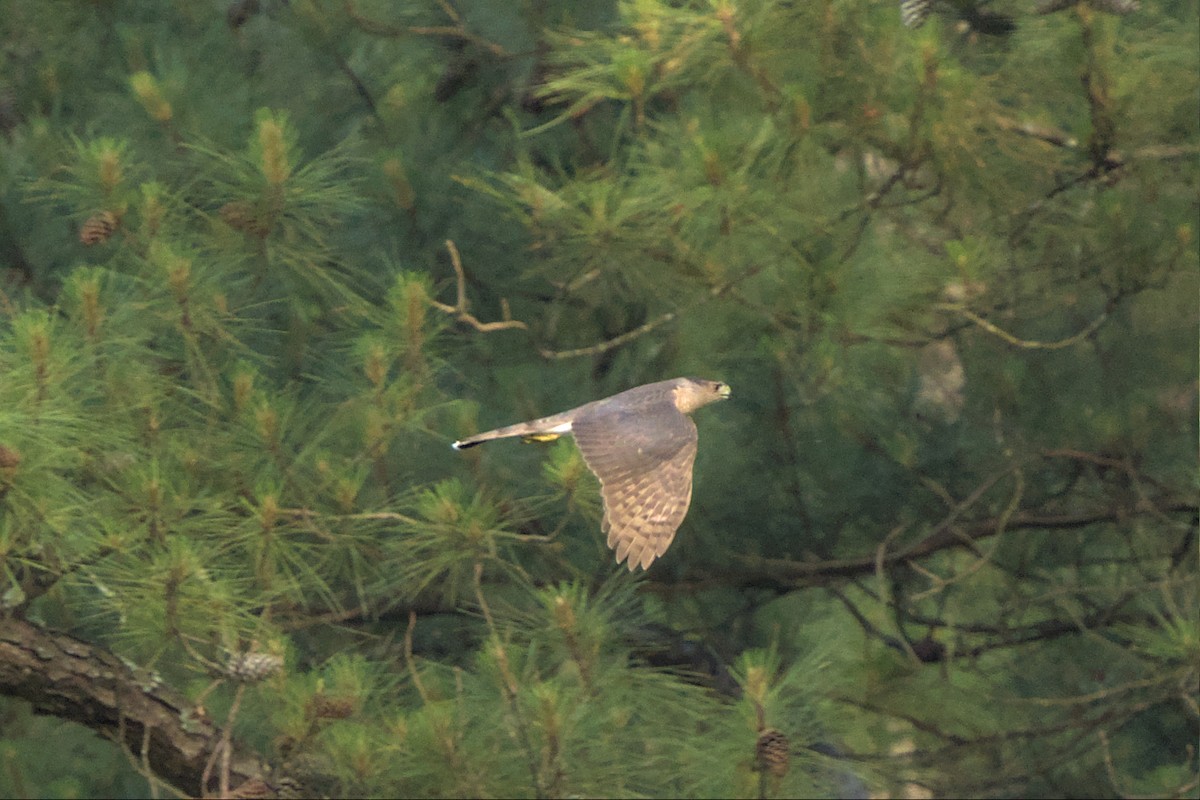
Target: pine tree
261,262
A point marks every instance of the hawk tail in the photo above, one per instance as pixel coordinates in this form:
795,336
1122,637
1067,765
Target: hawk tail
538,430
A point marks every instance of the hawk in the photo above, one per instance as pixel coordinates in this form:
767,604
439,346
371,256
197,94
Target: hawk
641,444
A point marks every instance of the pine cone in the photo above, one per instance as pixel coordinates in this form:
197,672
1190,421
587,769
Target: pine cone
253,667
9,457
290,789
772,752
241,215
322,706
284,788
98,228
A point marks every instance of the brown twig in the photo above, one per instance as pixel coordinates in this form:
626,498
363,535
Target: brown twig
223,749
459,309
608,344
1027,344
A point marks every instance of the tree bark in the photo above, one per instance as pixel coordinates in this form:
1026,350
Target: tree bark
73,680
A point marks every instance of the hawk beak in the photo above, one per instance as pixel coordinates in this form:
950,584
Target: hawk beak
723,390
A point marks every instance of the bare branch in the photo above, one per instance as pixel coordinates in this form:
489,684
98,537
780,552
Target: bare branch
609,344
459,309
782,575
1028,344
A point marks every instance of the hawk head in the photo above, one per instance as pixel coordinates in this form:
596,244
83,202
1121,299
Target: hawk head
693,393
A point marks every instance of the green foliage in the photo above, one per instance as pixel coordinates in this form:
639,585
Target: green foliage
83,765
260,263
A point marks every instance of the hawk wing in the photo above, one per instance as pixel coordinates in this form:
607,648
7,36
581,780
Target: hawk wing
643,456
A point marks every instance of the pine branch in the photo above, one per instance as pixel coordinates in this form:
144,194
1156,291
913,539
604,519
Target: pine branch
67,678
783,575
